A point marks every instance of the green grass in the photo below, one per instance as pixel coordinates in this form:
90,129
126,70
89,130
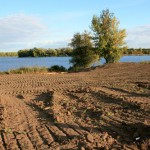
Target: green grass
25,70
145,62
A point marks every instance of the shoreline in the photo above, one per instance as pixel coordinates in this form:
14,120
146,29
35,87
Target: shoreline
70,56
45,70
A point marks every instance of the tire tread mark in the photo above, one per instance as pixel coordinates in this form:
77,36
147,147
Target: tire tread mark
57,134
2,143
71,133
47,139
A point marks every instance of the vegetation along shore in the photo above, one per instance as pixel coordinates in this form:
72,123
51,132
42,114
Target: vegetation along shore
43,52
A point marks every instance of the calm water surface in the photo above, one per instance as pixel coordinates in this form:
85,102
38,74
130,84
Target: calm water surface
7,63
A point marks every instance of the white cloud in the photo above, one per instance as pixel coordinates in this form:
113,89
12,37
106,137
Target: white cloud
19,30
53,43
139,37
25,31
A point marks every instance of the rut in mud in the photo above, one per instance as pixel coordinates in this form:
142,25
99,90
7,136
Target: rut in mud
104,108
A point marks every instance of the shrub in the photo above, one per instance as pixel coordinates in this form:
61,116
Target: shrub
28,70
57,68
145,62
75,69
83,55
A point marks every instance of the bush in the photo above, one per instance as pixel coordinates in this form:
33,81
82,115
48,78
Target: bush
75,69
83,54
24,70
57,68
145,62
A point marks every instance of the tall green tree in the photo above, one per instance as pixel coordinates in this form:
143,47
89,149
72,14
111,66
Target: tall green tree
108,38
83,55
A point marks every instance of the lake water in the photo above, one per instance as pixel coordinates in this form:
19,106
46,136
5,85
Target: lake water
7,63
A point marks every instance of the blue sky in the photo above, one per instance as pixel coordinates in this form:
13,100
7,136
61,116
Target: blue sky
52,23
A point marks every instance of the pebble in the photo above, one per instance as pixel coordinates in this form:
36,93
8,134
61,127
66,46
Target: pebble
57,118
69,113
82,148
57,148
116,111
110,140
105,135
90,138
46,108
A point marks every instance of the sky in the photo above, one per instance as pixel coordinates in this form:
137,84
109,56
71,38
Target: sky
52,23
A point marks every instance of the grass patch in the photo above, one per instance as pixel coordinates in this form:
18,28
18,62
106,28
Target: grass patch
145,62
25,70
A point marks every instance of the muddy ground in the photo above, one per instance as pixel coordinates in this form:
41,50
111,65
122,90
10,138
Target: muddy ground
107,107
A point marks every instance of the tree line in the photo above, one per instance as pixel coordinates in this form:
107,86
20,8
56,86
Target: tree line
41,52
137,51
6,54
64,52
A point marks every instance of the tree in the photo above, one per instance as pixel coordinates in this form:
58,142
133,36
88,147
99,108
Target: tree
108,38
83,55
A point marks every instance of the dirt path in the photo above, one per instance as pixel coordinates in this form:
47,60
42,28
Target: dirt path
104,108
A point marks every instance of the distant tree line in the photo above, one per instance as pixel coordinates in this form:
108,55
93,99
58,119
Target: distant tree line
42,52
139,51
6,54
